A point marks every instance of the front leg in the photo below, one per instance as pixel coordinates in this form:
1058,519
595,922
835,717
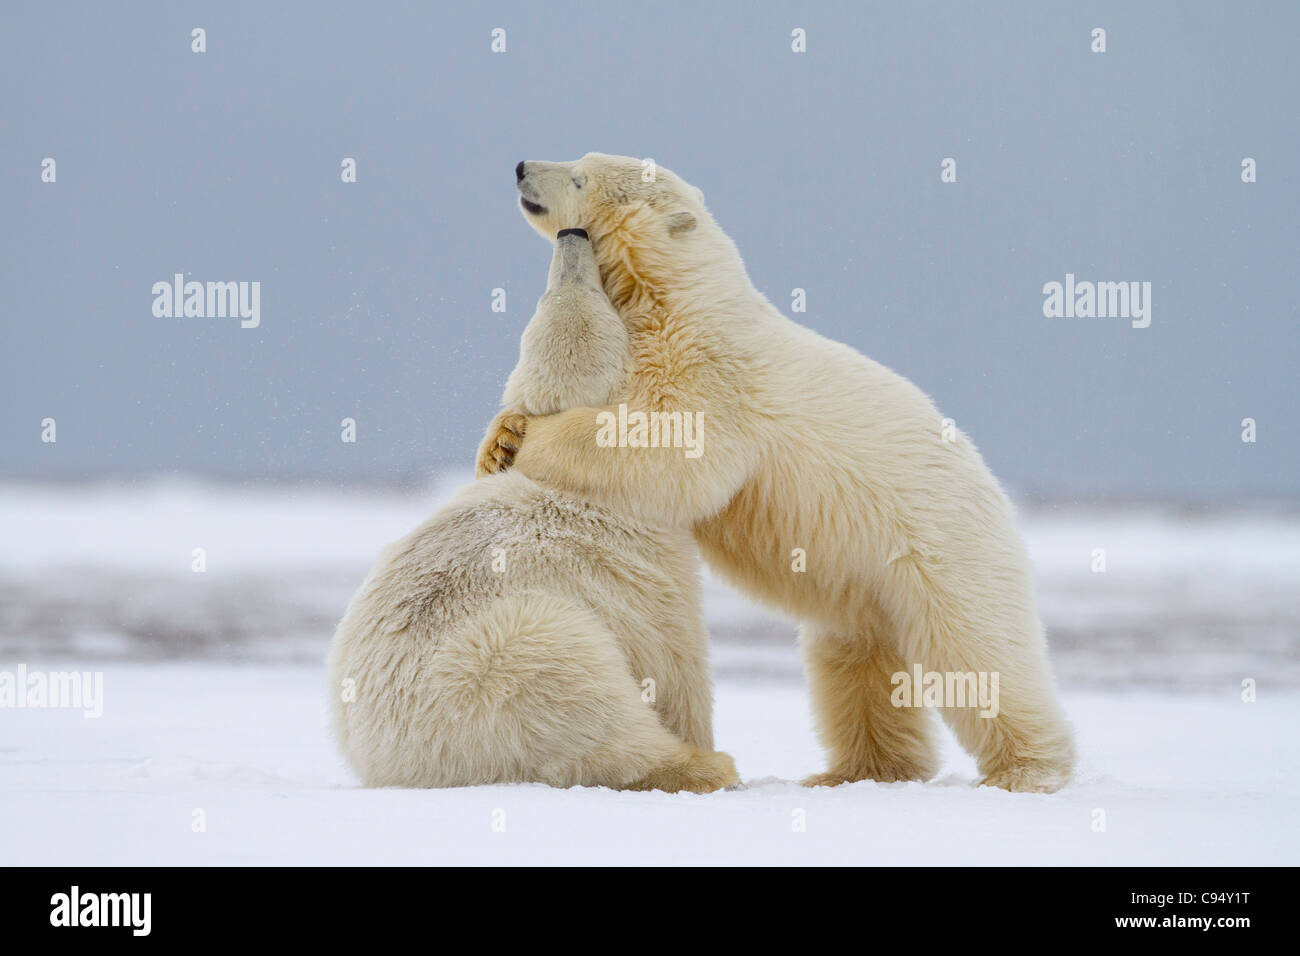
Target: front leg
501,443
662,485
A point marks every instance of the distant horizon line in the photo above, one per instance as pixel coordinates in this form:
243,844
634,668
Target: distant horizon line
422,480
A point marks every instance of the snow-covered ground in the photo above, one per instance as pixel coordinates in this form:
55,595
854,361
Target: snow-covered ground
214,703
1180,780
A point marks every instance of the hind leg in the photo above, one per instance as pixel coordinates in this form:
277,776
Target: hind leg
536,688
1021,742
866,737
1019,737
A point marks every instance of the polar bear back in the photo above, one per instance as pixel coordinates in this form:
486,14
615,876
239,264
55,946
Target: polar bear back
507,638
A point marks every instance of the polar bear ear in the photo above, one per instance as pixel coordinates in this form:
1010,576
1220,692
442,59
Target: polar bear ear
680,223
699,194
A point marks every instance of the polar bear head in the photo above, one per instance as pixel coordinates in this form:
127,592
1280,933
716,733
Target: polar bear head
645,222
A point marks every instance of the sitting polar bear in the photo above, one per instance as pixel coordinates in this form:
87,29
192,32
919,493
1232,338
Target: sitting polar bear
511,636
833,492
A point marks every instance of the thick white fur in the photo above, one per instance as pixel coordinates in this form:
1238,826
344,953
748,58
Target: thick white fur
446,671
912,550
575,346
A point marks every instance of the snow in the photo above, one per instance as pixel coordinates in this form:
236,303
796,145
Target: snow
215,701
1181,780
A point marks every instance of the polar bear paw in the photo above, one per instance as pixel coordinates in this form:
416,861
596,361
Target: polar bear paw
504,437
701,771
1038,777
899,774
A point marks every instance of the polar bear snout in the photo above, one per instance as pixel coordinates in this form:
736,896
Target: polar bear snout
573,264
528,194
551,194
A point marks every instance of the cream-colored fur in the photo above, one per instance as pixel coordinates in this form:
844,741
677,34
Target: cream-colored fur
912,554
511,636
576,346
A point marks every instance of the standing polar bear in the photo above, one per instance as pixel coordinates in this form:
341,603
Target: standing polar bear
509,637
827,489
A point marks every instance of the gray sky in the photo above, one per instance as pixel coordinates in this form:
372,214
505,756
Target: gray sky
824,167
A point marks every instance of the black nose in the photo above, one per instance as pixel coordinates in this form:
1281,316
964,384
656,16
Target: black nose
519,172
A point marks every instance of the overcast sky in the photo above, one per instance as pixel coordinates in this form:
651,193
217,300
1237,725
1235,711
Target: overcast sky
824,166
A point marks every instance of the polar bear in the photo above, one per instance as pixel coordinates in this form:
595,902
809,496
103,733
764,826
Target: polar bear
518,634
830,488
